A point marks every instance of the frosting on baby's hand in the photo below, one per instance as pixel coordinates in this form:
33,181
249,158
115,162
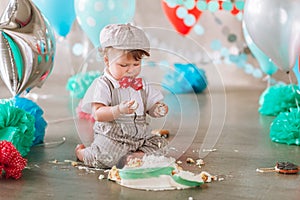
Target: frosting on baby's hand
128,107
160,110
134,106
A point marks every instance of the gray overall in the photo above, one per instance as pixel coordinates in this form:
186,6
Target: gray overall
113,140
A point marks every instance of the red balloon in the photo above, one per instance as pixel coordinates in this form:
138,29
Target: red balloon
178,23
235,11
220,5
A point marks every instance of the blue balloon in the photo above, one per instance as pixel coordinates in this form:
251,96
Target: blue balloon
266,65
93,15
296,70
60,14
186,78
36,111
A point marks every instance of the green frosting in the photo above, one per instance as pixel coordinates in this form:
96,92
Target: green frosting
286,127
278,98
145,172
186,182
17,127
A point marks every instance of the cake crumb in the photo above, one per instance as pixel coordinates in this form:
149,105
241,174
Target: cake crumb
56,162
101,176
161,132
113,174
73,163
200,162
179,168
259,170
190,161
179,162
207,178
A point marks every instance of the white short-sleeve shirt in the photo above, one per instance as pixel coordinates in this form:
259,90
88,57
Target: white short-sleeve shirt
99,92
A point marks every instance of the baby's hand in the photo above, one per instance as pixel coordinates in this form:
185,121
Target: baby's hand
160,110
128,107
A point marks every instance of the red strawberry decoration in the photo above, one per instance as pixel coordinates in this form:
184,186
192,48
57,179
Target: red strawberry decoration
11,161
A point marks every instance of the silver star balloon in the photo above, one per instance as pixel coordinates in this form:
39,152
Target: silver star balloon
27,47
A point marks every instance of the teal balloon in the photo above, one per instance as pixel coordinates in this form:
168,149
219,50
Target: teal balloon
266,65
60,14
93,15
296,70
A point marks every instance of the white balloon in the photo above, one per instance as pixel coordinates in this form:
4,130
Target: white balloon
274,26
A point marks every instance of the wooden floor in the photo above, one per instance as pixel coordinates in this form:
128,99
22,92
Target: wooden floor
229,119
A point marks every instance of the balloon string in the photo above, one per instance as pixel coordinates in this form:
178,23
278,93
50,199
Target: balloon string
293,89
61,120
268,81
47,144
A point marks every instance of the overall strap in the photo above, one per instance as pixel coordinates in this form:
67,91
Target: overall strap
113,93
144,98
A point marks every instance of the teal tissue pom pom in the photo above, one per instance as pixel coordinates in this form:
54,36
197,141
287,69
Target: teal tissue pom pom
17,127
286,127
78,84
278,98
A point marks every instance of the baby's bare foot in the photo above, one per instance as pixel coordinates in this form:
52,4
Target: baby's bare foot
79,152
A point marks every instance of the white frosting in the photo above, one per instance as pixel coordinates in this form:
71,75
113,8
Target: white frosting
189,176
162,111
163,182
134,106
152,161
157,161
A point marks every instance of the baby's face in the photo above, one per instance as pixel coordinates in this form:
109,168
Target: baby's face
122,64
